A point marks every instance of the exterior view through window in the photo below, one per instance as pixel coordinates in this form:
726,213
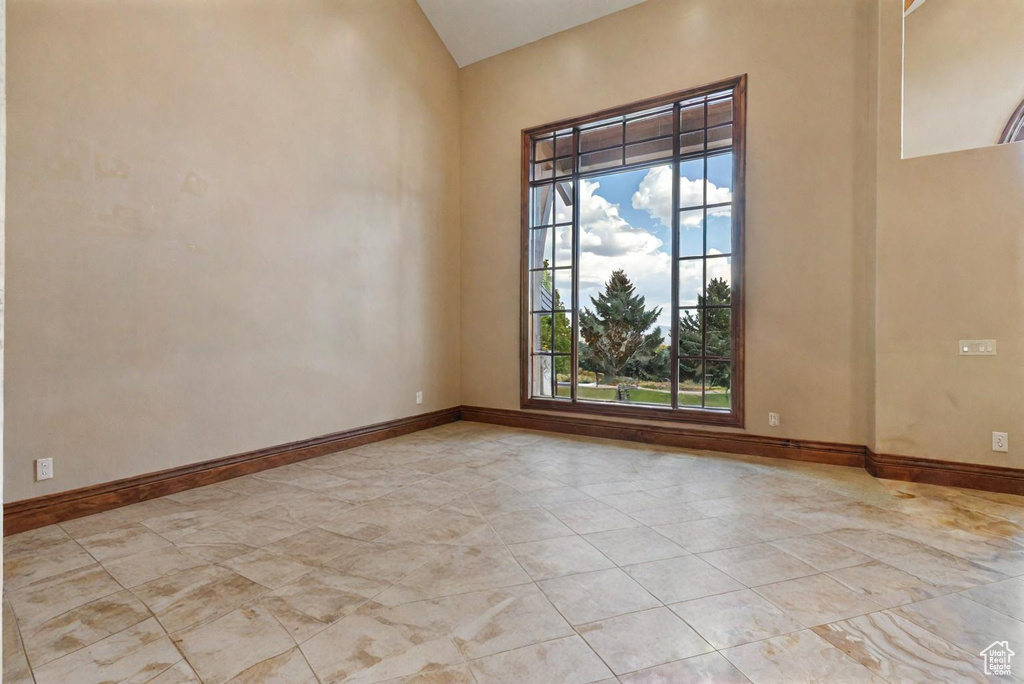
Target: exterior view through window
633,259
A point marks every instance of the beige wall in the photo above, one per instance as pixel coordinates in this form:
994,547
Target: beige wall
232,224
963,73
950,266
809,192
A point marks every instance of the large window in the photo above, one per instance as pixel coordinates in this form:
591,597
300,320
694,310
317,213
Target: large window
633,259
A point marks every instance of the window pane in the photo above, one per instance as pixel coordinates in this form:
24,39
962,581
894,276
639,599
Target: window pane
691,282
540,373
653,384
543,170
598,138
540,333
718,384
652,150
563,334
719,332
563,289
690,339
601,160
563,167
720,178
542,206
649,127
563,145
563,376
625,286
720,230
540,290
541,247
542,149
691,142
563,202
719,280
691,375
720,137
691,118
691,232
719,112
691,183
563,245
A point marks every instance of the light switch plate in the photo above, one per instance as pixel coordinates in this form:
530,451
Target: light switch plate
977,347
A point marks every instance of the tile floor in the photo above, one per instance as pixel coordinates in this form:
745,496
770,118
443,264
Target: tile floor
471,553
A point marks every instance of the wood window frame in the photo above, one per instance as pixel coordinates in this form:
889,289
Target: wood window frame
705,416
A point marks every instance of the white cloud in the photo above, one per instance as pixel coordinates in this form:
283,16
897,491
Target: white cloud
604,232
655,196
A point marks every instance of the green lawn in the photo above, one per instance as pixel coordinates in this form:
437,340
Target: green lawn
648,396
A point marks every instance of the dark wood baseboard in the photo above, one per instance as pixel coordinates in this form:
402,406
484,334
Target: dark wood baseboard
29,514
886,466
949,473
831,453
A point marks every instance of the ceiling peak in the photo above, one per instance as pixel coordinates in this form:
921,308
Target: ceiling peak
477,29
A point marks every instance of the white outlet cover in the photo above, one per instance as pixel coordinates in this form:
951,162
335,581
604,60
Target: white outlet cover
773,419
1000,441
419,397
44,469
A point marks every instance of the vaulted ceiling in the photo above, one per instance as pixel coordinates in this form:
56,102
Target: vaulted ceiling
476,29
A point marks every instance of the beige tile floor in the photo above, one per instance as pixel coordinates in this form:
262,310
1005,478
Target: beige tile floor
471,553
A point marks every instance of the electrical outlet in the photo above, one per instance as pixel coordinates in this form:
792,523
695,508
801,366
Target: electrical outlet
419,397
1000,441
773,420
44,469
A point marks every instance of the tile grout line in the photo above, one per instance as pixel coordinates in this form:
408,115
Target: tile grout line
754,589
539,589
28,660
21,640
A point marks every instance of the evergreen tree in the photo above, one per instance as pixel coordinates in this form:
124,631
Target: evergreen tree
719,337
658,368
615,333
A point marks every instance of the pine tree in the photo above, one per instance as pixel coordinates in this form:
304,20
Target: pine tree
719,332
615,333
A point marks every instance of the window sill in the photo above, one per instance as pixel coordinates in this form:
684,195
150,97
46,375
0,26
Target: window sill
732,418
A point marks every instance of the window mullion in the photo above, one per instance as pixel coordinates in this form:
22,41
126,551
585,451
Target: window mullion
674,341
703,309
574,359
